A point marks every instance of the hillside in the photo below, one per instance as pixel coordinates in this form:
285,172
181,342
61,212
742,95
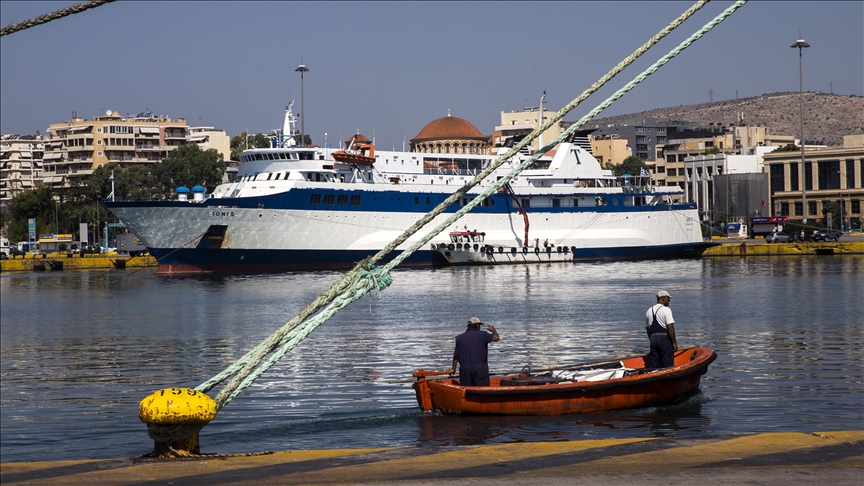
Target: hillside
827,117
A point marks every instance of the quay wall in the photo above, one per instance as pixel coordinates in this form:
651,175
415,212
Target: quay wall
61,261
744,248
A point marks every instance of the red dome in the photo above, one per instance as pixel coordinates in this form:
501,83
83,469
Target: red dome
448,127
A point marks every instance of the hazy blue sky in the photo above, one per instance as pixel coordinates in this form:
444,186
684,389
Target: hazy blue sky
389,68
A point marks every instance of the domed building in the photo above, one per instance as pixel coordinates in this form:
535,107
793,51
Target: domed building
450,135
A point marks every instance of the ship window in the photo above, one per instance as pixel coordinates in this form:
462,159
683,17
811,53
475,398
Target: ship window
342,200
355,200
526,203
315,199
328,199
576,203
278,176
269,175
416,200
428,200
556,203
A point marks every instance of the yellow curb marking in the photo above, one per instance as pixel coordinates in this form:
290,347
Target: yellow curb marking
178,470
679,458
432,463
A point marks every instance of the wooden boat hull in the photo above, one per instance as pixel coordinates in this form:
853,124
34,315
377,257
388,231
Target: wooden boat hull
638,390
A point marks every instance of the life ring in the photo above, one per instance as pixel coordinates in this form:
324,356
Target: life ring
450,247
458,246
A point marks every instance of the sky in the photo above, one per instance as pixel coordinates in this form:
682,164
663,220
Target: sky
388,68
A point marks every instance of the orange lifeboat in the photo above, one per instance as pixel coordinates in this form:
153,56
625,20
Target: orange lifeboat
585,388
358,150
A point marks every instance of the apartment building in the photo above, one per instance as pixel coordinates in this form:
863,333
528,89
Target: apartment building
77,147
20,164
644,136
210,137
830,175
609,150
515,125
685,142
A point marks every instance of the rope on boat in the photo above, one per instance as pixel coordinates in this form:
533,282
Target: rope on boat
366,276
59,14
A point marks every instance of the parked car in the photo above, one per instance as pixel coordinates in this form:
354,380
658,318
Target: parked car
777,237
826,235
797,236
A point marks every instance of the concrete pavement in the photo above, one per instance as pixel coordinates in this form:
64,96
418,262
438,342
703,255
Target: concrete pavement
835,458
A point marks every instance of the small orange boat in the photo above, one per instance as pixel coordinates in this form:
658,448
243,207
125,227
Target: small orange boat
586,388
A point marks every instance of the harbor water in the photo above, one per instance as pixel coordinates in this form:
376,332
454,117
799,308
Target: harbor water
81,349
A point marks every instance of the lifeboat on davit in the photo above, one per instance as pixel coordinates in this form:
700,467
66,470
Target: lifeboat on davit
358,150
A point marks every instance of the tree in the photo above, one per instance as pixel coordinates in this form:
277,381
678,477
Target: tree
711,151
632,165
37,203
306,138
245,141
789,147
188,165
134,182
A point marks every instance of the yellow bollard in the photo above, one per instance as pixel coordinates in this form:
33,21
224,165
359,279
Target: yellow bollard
174,416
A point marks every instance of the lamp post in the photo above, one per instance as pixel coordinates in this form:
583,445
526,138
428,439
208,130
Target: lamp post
302,69
800,44
842,176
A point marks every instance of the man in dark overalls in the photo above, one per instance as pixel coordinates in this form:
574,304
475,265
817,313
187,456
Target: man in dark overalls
660,326
472,354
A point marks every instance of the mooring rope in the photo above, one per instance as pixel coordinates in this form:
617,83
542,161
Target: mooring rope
59,14
366,276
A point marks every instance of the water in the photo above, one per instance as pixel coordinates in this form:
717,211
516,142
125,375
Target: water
81,349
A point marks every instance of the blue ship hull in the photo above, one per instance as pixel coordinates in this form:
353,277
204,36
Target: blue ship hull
194,260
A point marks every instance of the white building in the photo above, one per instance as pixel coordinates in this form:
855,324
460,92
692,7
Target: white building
700,170
20,164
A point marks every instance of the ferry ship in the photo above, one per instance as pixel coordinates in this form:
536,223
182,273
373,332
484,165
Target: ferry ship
310,208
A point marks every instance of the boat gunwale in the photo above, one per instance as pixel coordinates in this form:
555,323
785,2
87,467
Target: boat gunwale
675,373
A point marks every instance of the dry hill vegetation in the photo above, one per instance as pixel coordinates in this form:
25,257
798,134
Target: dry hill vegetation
827,117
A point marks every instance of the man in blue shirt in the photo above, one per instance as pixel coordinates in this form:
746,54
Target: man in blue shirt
472,354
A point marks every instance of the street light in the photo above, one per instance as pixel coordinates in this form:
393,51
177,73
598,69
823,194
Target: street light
800,44
302,69
842,176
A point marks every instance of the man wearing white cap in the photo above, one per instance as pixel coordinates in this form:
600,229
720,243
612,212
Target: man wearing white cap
472,354
660,326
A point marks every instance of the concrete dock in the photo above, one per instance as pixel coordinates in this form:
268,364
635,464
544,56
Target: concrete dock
829,457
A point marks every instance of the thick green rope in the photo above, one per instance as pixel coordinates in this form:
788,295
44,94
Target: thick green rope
365,276
59,14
